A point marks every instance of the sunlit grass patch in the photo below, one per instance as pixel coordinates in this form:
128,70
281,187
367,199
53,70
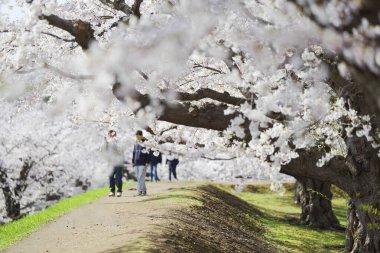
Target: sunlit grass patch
280,214
296,238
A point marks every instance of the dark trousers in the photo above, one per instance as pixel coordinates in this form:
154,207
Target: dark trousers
172,170
116,177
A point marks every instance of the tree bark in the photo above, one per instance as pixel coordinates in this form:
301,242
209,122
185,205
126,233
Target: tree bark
13,196
315,199
12,205
363,227
359,176
364,208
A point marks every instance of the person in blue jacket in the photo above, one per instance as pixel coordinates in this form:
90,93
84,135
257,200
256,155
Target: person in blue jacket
140,161
155,159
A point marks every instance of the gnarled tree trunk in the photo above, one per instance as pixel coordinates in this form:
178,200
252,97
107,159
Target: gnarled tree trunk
359,176
363,227
315,199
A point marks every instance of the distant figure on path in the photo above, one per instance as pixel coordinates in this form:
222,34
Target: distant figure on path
116,156
155,159
140,162
172,162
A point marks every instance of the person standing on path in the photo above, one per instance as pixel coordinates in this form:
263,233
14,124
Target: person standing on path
115,155
140,161
155,159
172,162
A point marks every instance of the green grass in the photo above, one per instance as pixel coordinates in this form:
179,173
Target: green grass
294,238
19,229
291,237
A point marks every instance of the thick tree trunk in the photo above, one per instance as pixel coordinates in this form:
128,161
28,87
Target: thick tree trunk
359,176
315,199
363,226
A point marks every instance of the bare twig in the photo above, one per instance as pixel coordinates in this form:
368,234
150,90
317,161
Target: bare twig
197,65
119,5
68,75
55,69
57,37
168,129
218,158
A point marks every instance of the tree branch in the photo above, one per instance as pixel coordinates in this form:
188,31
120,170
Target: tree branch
57,37
21,183
209,115
335,172
180,142
365,76
56,70
218,158
168,129
81,30
136,8
120,5
361,85
369,10
202,93
197,65
212,94
169,139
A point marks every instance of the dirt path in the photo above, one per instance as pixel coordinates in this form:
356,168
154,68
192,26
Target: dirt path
102,226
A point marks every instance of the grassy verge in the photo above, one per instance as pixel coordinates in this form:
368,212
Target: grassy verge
19,229
182,196
211,217
219,222
281,210
216,219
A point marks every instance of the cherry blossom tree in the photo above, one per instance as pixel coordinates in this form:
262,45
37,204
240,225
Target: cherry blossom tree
290,84
41,161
